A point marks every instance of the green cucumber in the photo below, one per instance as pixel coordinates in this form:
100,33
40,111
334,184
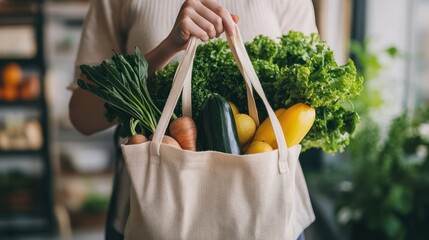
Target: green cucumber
216,126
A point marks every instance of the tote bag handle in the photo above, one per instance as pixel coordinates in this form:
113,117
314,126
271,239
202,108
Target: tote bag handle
183,78
187,95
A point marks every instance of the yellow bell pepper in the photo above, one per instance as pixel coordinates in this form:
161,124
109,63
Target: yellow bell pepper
295,121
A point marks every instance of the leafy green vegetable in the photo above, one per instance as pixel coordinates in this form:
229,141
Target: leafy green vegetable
122,83
297,68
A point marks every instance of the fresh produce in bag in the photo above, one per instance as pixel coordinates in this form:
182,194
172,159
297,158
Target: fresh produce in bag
216,126
122,83
295,69
296,121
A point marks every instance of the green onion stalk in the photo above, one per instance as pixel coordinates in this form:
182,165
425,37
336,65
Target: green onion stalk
122,83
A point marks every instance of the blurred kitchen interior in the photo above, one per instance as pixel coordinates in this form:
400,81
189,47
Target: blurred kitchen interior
56,182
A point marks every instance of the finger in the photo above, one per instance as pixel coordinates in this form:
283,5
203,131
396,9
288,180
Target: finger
212,17
228,23
189,28
235,18
203,22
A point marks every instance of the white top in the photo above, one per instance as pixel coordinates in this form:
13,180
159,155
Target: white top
121,25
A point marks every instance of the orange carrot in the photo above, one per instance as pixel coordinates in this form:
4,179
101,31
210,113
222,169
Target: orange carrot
184,131
136,139
168,140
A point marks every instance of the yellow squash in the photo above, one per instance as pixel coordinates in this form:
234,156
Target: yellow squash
295,121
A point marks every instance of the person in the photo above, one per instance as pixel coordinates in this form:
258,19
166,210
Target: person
161,30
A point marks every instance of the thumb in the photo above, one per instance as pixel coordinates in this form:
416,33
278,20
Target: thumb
235,18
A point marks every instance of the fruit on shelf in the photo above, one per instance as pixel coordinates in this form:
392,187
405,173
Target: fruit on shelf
33,134
9,93
14,85
30,88
12,75
17,132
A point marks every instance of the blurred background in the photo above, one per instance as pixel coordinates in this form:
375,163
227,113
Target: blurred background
55,183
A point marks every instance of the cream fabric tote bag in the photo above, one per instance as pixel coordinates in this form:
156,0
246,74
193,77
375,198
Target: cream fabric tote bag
180,194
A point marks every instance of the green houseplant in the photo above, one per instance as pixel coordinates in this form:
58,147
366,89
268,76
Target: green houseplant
389,179
379,191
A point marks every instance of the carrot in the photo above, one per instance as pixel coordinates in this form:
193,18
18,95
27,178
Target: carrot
136,139
168,140
184,131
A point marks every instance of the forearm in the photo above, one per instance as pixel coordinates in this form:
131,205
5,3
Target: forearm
160,56
87,112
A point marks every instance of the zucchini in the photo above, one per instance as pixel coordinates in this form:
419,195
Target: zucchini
216,126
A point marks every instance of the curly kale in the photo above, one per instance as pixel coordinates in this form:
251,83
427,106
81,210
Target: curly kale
296,68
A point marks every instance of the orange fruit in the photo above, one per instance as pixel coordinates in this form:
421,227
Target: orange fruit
259,147
246,128
10,94
12,75
30,88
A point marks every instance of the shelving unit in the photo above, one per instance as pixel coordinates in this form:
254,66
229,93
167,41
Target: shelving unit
27,200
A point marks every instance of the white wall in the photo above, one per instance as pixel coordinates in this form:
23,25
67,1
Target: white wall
419,55
388,25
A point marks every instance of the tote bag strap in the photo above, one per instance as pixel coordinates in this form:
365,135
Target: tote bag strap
187,96
239,51
183,78
183,73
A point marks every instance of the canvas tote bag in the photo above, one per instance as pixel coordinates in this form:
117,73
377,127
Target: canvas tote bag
180,194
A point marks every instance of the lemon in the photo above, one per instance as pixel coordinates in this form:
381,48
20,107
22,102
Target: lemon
246,128
234,108
258,147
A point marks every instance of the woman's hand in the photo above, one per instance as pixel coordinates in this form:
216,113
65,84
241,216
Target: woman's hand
204,19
